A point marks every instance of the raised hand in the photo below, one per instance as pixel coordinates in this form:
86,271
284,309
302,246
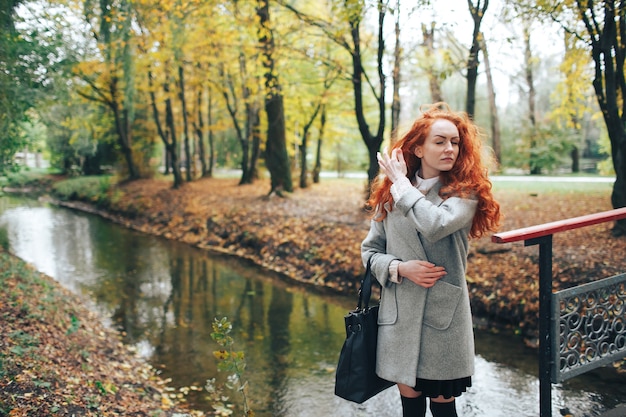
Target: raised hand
394,166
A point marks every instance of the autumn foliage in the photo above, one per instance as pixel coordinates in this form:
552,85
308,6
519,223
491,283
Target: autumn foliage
57,358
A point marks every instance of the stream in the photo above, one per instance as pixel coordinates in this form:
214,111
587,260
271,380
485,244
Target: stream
164,297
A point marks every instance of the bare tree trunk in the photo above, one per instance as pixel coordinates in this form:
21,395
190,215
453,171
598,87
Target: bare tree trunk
123,130
243,133
199,129
478,12
535,169
303,154
372,141
246,175
493,108
209,111
181,95
253,133
171,156
304,146
433,78
575,155
276,157
167,161
171,128
397,58
255,154
318,154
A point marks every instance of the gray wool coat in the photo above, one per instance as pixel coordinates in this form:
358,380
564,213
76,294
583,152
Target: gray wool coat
423,333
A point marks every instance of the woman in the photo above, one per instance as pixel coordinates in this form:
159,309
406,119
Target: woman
433,197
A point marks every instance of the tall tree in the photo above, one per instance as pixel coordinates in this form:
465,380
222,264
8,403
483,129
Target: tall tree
276,157
167,132
493,108
373,140
247,128
211,135
179,20
535,168
30,59
198,128
239,84
112,84
317,168
189,161
314,86
431,63
316,107
607,36
158,63
604,32
352,14
395,74
204,131
13,107
176,53
478,12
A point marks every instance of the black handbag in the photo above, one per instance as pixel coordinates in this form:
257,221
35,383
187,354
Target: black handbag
356,379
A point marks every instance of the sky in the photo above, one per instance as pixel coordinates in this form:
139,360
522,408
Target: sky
504,41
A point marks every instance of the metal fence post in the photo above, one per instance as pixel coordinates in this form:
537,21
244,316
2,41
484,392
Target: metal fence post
545,315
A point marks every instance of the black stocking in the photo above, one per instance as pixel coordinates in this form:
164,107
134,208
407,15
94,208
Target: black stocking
413,407
443,409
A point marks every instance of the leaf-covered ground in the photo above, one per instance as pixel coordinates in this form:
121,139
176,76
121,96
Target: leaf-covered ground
57,358
313,236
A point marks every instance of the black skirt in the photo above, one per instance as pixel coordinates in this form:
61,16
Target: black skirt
448,388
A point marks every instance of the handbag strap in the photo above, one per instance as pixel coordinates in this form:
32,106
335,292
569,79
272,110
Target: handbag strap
365,292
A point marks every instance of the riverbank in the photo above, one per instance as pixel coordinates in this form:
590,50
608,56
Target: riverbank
57,358
313,236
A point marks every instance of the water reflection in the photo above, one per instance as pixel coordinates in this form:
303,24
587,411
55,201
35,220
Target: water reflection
164,297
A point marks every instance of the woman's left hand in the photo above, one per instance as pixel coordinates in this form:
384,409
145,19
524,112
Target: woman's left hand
422,273
394,166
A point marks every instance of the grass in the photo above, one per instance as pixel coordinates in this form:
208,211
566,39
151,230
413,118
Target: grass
539,185
528,184
93,189
22,179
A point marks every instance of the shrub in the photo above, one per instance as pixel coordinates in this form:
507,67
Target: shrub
91,189
25,179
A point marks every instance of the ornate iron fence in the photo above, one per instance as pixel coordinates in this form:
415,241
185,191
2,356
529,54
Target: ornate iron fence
589,329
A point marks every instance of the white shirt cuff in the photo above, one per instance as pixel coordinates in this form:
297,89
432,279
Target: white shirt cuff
399,187
393,272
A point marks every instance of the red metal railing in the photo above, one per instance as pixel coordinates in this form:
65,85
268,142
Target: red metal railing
545,229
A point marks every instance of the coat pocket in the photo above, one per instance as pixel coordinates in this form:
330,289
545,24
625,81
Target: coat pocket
442,301
388,312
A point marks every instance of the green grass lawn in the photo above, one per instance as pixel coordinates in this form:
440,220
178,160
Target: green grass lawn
539,185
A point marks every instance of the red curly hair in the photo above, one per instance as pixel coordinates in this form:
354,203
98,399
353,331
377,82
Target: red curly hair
467,178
